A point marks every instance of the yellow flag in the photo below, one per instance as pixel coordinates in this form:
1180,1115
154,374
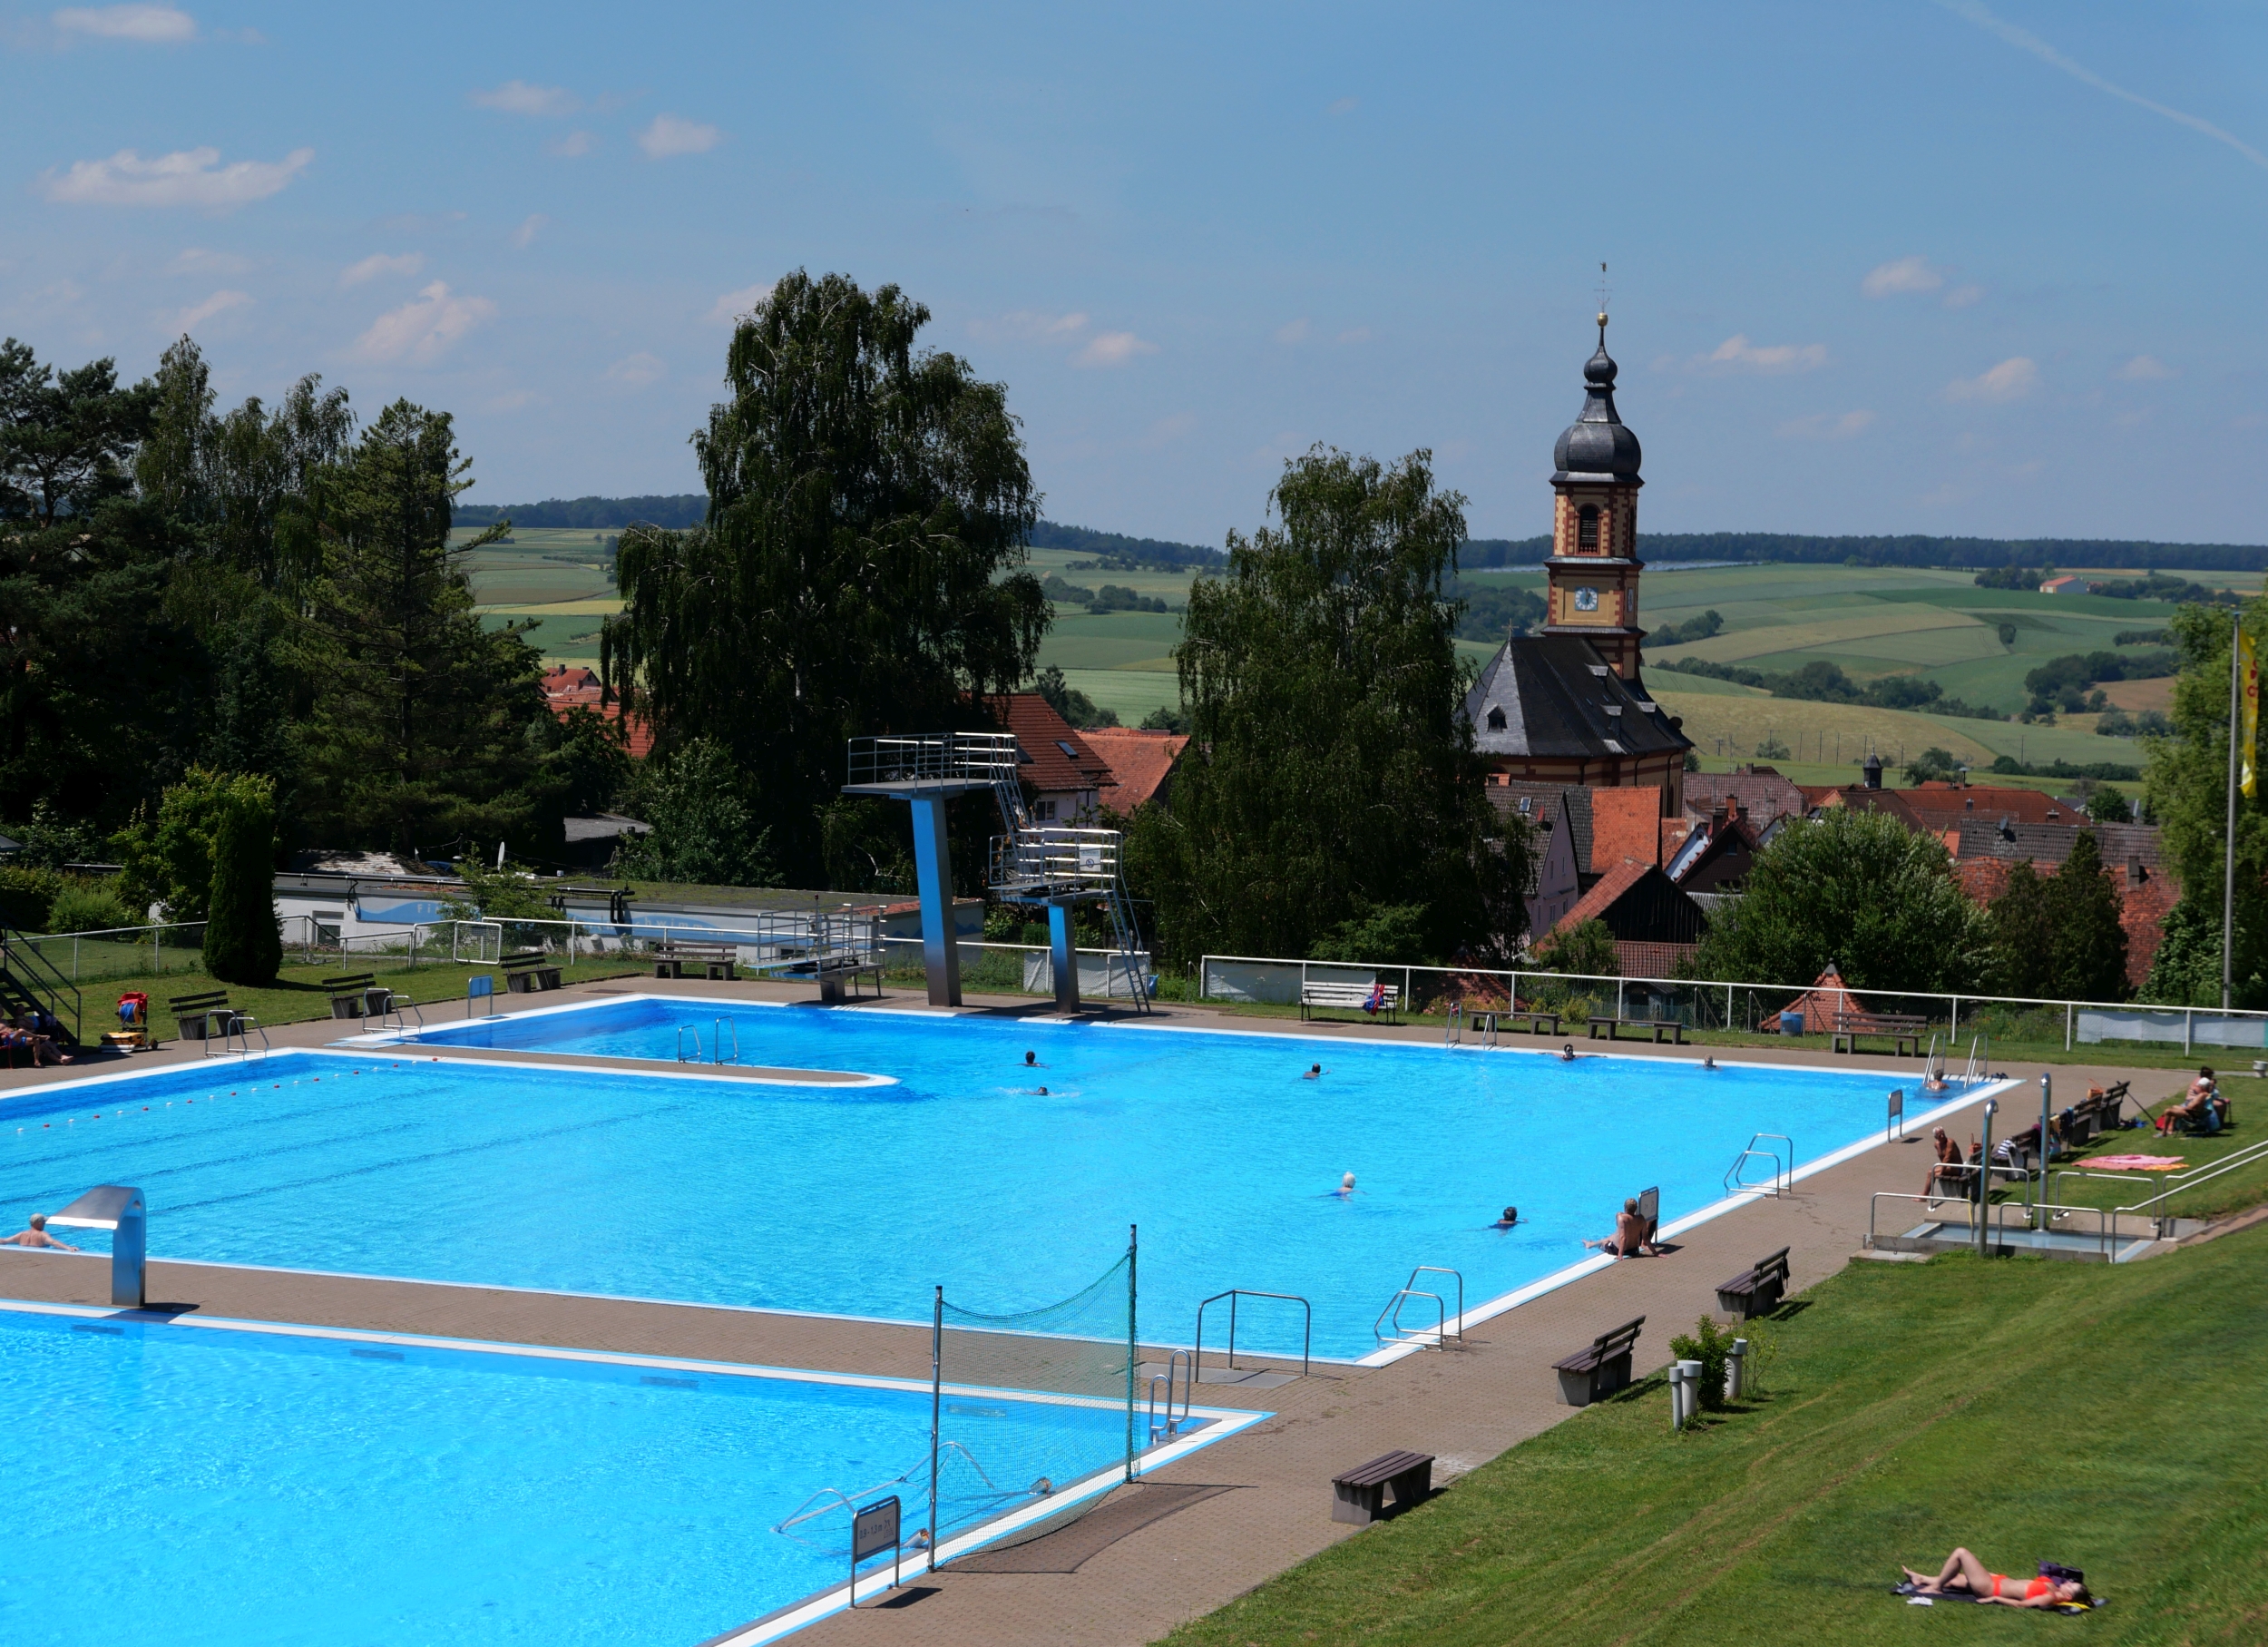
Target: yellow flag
2248,721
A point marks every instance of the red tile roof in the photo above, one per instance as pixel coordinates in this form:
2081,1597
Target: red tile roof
568,686
1058,757
1593,905
1941,804
1140,763
1625,823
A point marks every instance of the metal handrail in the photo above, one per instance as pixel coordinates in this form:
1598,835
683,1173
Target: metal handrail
2190,1178
15,945
1172,1427
1783,1181
1408,1335
917,757
693,1030
717,1033
2106,1228
1196,1359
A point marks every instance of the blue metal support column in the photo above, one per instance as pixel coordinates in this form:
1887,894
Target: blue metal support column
933,866
1062,958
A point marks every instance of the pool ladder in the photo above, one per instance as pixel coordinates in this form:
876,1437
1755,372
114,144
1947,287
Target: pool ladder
1389,1321
1164,1429
718,1030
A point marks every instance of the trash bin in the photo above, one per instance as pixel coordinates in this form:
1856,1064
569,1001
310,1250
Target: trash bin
1791,1023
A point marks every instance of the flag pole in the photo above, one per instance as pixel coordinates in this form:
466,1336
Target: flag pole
2228,856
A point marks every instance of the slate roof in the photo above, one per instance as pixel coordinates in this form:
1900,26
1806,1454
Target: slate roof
1764,795
2051,843
1543,809
1559,697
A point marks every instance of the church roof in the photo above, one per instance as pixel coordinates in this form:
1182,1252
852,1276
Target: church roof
1555,696
1597,446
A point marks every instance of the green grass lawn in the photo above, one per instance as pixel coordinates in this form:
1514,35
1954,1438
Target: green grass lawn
2245,1186
2103,1417
297,993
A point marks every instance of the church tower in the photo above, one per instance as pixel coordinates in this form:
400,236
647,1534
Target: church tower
1594,566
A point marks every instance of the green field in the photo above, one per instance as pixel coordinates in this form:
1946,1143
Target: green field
2095,1415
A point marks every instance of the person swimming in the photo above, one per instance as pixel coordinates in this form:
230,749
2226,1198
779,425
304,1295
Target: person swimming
1566,1052
1032,1060
1346,1187
1314,1072
1043,1091
1512,1217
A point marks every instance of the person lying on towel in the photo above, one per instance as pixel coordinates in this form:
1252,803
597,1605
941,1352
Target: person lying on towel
1964,1577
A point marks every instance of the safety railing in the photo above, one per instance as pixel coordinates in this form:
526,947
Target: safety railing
25,972
938,757
1388,1328
1170,1427
1045,857
2000,1218
2204,1173
1782,1179
1307,1337
718,1030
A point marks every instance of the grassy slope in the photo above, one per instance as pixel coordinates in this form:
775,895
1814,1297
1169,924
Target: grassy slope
2245,1186
2105,1418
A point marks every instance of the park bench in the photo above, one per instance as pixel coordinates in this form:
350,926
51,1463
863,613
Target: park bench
208,1015
530,972
1359,1494
1348,997
1640,1028
833,974
350,995
714,960
1757,1289
1903,1030
1590,1374
1539,1020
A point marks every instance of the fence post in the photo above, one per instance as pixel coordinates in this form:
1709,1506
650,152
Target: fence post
2069,1007
1953,1034
1618,999
1406,981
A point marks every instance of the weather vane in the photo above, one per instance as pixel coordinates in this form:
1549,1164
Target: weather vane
1604,290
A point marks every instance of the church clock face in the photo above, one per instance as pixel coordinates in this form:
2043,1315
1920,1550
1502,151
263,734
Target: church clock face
1587,600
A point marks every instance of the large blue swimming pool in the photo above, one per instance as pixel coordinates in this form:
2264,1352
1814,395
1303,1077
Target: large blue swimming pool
175,1484
856,1199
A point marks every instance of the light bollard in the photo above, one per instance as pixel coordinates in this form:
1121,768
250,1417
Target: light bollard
1685,1393
1737,1370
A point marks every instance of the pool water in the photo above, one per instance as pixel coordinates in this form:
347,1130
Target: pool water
856,1199
184,1485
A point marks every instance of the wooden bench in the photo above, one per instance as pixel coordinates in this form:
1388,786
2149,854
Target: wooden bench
1903,1030
207,1015
1359,1496
1614,1027
1350,997
1757,1289
530,972
1539,1021
350,995
715,960
1600,1370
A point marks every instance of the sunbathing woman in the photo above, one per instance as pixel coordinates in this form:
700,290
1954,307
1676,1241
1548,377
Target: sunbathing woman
1964,1574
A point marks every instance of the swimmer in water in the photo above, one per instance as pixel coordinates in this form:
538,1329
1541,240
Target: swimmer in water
1346,1187
1043,1091
1314,1072
1708,1062
1512,1217
1032,1061
1566,1052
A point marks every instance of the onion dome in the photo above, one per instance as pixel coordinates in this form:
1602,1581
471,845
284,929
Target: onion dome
1597,449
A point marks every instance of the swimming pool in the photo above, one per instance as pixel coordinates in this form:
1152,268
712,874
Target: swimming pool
217,1483
855,1200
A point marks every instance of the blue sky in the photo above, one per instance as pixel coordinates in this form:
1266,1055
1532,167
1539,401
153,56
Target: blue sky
1901,267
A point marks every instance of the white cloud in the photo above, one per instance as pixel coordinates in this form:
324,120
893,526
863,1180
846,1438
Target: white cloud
196,259
573,146
2012,380
525,235
1112,349
637,370
1028,326
518,97
148,25
1907,274
1345,105
1293,332
671,135
1826,426
728,310
424,330
2143,368
196,314
1962,297
378,264
187,177
1736,354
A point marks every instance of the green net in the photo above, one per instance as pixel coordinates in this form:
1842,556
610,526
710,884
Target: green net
1074,1364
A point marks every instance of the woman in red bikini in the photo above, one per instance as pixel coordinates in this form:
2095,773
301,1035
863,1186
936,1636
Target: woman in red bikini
1965,1574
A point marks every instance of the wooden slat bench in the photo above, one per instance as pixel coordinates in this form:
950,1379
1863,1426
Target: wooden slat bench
1600,1370
1349,997
1359,1496
530,972
1537,1020
1675,1028
206,1015
1903,1030
1757,1289
350,995
715,960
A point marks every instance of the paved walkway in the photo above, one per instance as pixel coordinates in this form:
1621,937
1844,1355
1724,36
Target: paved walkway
1180,1555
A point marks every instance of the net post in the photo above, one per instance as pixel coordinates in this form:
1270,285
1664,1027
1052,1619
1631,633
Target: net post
936,1403
1133,1244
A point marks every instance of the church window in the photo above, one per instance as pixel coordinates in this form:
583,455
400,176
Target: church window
1496,720
1586,528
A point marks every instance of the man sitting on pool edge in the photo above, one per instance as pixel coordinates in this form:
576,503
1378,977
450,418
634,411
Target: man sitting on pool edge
1628,1241
37,1236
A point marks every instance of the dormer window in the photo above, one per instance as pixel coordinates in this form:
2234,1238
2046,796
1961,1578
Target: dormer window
1496,720
1586,528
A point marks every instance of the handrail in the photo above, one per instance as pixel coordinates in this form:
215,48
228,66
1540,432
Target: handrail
1453,1025
2106,1229
693,1030
2206,1172
1197,1360
1782,1180
1391,1316
54,984
1172,1427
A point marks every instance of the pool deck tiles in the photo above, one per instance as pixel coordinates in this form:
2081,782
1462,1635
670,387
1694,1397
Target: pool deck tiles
1246,1508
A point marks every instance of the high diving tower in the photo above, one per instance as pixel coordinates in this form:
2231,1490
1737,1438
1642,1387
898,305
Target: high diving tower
1044,865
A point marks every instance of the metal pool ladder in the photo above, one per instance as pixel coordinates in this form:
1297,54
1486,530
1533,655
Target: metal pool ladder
1171,1426
1389,1319
718,1030
1782,1179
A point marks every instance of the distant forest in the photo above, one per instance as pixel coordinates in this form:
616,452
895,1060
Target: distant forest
1114,551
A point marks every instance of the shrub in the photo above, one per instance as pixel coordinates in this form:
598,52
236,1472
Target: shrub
1710,1345
87,906
242,944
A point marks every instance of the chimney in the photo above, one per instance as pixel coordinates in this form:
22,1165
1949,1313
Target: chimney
2135,875
1717,814
1873,771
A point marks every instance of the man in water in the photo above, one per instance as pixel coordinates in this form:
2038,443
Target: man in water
1032,1061
1512,1217
1566,1052
37,1236
1314,1072
1346,1187
1628,1241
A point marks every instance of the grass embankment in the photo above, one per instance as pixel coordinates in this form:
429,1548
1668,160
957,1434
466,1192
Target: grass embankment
2106,1417
2245,1186
298,994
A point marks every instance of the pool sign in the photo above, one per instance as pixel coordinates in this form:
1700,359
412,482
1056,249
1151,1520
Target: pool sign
873,1530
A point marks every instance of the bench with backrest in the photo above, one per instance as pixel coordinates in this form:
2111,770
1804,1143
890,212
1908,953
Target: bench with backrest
530,972
205,1015
1640,1029
1359,1494
1540,1020
1903,1030
350,995
1598,1372
714,960
1757,1289
1348,997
